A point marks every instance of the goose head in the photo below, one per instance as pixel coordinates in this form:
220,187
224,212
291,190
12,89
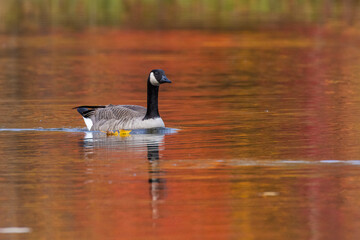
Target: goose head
157,77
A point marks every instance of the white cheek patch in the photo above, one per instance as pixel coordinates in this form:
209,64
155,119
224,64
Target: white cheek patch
153,80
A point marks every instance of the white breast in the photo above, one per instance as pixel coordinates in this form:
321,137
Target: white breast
151,123
142,124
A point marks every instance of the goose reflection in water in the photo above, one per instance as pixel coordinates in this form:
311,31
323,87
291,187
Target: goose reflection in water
135,142
156,179
94,143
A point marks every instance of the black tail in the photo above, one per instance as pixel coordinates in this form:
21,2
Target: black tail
86,111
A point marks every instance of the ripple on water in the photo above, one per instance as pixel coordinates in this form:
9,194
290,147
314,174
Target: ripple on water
15,230
135,131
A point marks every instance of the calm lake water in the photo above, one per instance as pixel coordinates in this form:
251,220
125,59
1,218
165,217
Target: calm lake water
267,144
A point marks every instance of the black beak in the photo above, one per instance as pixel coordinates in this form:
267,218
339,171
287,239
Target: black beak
164,79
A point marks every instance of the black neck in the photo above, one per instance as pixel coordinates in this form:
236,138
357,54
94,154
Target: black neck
152,101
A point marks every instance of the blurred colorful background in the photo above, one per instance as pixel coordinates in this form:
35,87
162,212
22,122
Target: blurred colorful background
42,15
262,117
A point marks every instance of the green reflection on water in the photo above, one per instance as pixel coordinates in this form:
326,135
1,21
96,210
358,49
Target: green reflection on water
19,16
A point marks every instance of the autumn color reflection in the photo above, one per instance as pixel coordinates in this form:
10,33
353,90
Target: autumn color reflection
267,147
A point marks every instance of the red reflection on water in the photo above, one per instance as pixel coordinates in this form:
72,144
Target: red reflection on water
237,98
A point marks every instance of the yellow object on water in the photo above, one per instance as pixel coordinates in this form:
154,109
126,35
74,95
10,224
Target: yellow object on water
121,133
124,133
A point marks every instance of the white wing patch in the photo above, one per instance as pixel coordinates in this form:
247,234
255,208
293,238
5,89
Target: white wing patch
88,123
153,80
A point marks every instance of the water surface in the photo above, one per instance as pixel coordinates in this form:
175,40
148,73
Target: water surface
267,146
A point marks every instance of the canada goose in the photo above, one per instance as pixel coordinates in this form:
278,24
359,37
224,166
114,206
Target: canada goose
116,117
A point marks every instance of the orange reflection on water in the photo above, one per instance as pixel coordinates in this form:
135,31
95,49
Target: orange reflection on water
256,113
